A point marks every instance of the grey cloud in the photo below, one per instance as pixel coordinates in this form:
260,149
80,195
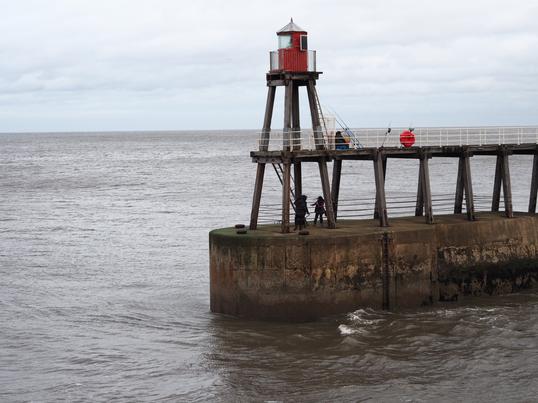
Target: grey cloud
120,59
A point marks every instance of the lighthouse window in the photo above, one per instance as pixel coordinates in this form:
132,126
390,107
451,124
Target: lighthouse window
284,41
304,42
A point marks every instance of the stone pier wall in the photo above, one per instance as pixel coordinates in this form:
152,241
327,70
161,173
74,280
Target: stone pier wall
267,275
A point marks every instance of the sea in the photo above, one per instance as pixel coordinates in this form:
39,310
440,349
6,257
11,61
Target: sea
104,284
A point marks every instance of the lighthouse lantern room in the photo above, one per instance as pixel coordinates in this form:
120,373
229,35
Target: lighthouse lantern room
292,54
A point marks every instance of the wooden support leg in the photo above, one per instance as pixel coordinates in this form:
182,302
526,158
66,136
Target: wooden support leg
335,191
380,191
296,121
419,209
288,100
534,185
507,187
314,113
266,131
298,178
468,185
260,171
329,210
458,200
426,190
376,213
497,185
286,198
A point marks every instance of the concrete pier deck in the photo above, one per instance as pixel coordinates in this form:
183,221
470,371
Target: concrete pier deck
265,274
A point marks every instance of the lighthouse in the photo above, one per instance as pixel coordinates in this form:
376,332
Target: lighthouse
292,66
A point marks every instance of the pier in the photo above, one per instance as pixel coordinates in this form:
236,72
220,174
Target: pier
380,157
270,272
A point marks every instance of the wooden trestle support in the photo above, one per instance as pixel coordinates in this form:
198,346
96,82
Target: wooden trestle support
292,144
292,154
379,157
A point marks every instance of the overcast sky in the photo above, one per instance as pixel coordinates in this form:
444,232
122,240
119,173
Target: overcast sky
78,65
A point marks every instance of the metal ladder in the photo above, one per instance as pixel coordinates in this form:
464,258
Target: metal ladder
279,173
353,137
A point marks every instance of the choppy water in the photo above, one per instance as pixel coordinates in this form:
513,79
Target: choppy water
104,289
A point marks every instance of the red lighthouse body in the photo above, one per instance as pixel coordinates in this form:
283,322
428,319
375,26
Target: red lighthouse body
292,49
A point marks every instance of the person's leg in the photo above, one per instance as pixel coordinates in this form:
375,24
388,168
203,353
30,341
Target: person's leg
321,218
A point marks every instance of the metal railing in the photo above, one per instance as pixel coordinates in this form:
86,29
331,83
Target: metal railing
312,60
291,140
275,62
424,137
397,206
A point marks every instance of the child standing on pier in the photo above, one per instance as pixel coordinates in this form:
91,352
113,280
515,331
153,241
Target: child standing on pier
319,209
301,210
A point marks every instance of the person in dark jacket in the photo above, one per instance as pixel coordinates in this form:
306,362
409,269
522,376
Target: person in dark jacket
340,141
301,210
319,209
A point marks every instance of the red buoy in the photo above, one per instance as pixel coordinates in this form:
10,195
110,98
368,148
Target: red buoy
407,138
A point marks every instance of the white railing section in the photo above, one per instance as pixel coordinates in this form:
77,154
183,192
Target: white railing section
276,62
424,137
312,60
292,140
